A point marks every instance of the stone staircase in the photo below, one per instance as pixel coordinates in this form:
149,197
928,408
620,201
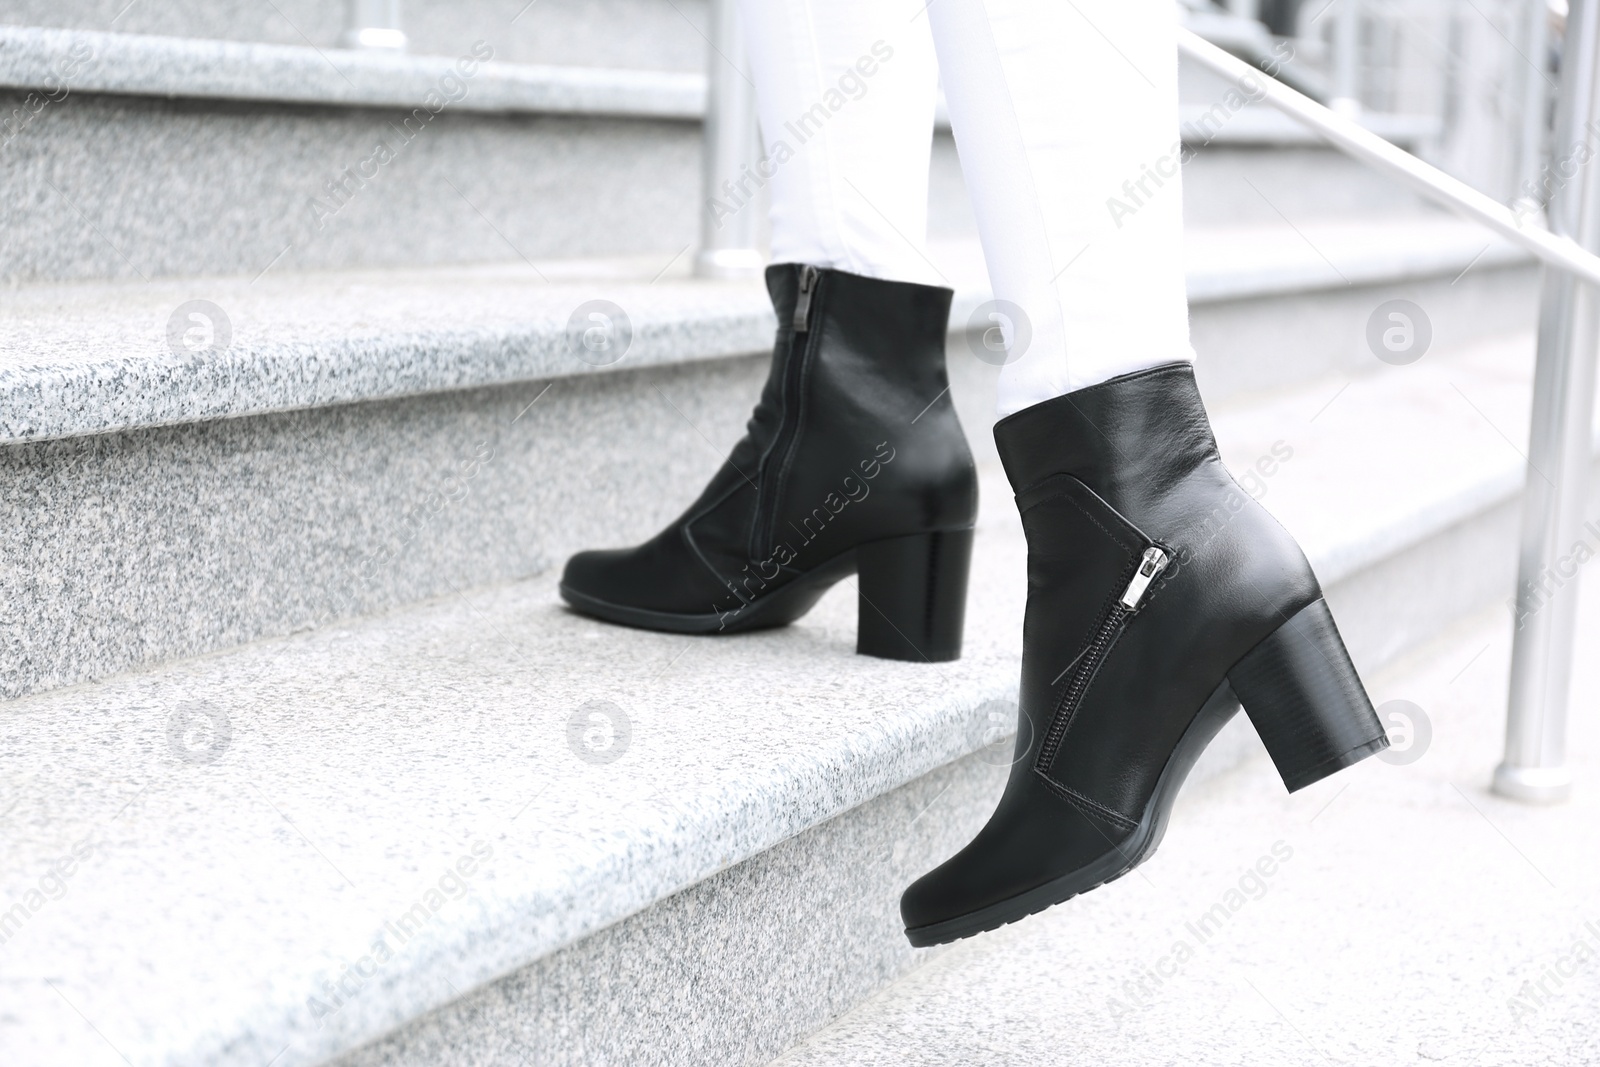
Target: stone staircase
303,761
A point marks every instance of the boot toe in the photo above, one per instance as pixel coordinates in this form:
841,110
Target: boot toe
597,573
928,900
660,575
1032,845
966,882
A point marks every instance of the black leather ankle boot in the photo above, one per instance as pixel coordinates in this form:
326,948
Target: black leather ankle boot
853,463
1160,596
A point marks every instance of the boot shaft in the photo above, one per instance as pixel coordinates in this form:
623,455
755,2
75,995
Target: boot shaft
855,436
1108,478
1134,439
1142,444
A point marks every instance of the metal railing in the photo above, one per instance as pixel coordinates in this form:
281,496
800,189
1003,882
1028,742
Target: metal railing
1470,81
1560,451
373,25
1355,140
728,241
1531,124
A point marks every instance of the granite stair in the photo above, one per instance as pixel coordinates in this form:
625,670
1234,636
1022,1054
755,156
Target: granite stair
483,829
264,150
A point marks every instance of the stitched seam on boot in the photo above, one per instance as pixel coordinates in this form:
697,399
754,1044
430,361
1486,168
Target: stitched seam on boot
1066,493
1087,806
694,546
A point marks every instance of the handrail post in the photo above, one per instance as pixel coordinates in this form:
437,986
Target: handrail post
728,222
1530,147
1347,58
373,25
1559,450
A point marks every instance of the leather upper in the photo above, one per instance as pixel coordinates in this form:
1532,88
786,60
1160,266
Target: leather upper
1101,474
854,439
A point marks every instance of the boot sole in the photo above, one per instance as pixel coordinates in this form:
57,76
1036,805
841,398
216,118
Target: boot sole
911,599
1306,702
765,613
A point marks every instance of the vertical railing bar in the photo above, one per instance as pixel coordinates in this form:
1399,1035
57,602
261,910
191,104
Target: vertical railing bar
729,211
1535,105
1347,58
373,25
1560,449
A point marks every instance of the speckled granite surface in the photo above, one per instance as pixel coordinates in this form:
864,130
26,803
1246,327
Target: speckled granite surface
77,359
252,825
1244,262
87,359
139,547
135,548
140,65
733,970
640,34
1417,920
206,187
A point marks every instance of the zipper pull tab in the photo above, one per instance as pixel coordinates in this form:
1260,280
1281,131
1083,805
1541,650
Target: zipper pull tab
1153,563
802,306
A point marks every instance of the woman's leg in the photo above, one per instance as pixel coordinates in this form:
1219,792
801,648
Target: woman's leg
853,461
846,91
1160,595
1066,116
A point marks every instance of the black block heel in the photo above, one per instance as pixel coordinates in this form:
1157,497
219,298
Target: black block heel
913,596
1301,691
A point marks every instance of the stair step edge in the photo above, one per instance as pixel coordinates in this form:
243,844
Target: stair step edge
77,360
185,67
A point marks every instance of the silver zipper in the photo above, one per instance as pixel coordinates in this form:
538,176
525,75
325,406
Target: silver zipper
1153,563
783,444
802,306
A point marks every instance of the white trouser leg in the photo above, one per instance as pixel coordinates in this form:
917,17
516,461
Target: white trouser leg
1066,117
846,90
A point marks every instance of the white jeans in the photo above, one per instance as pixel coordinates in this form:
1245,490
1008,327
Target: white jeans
1065,117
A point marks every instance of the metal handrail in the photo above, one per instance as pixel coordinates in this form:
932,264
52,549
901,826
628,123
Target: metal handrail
1560,450
1357,141
1530,131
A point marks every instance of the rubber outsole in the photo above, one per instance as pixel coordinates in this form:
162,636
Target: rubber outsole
911,599
779,608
